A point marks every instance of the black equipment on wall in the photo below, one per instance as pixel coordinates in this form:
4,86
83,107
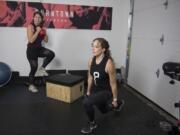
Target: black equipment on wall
172,69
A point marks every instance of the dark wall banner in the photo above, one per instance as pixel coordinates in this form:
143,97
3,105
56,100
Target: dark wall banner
20,14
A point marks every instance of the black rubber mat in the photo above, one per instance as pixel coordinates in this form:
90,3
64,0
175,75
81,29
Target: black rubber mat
26,113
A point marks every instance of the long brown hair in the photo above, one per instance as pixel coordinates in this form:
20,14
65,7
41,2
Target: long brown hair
42,17
104,44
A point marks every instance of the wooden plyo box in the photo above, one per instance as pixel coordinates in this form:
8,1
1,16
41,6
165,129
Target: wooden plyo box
65,87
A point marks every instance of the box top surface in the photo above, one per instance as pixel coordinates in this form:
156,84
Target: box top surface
65,79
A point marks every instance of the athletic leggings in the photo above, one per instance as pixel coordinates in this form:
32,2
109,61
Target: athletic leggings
32,56
100,100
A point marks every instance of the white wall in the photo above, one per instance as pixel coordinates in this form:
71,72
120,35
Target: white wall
151,20
72,47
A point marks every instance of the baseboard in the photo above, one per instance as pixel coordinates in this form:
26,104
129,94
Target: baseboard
16,78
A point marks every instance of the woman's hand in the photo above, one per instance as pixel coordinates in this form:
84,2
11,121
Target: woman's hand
115,104
38,29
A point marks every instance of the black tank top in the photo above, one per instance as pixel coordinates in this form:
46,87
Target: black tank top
100,77
37,42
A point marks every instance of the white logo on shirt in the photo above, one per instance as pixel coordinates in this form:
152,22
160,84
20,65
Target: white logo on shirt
96,75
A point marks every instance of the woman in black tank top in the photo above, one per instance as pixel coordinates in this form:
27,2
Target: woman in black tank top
102,86
36,34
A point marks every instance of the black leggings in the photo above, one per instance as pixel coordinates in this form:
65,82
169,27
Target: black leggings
100,100
32,56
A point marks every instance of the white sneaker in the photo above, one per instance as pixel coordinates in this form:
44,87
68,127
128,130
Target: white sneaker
41,72
33,88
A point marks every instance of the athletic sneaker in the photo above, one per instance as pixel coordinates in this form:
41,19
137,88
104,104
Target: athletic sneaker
41,72
33,88
119,107
89,127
